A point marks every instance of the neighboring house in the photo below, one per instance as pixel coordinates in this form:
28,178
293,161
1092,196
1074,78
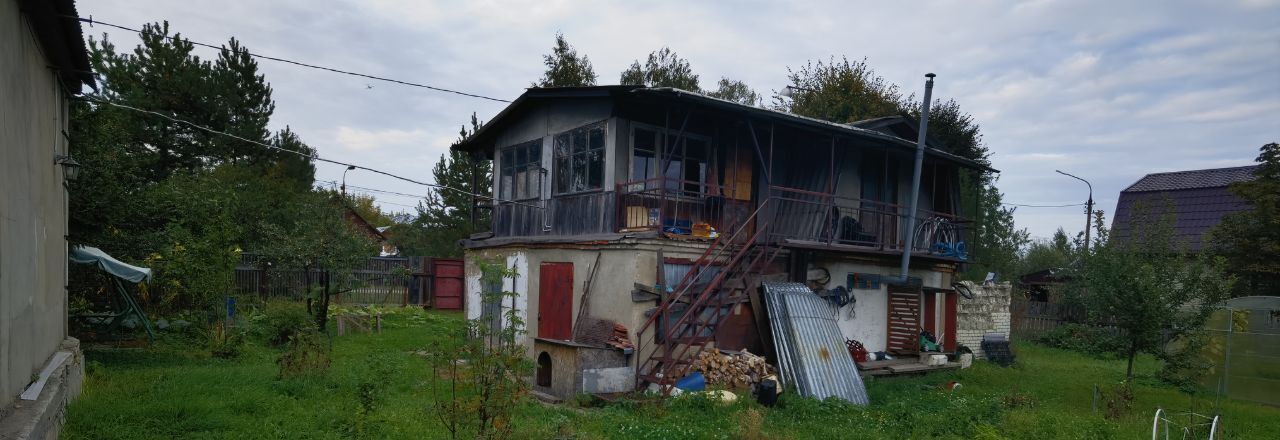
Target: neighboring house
358,221
43,61
653,183
1199,198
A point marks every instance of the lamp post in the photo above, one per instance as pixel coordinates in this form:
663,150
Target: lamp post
344,179
1088,212
789,91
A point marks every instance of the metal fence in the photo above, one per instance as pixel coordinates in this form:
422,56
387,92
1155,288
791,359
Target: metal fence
378,280
1243,352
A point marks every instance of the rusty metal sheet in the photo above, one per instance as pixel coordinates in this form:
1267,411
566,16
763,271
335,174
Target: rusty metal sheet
811,349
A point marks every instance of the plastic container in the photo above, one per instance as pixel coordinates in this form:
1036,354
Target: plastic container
692,382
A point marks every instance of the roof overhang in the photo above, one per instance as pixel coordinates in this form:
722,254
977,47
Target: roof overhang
57,28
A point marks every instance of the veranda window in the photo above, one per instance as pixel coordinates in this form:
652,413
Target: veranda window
520,176
579,159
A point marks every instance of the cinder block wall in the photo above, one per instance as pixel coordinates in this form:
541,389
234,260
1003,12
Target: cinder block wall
987,312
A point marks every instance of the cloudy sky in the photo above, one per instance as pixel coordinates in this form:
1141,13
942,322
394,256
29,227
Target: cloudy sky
1107,90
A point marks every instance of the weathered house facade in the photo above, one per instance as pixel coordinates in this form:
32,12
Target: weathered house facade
42,62
659,211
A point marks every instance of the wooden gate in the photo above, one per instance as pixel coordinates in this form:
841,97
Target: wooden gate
904,320
555,301
446,283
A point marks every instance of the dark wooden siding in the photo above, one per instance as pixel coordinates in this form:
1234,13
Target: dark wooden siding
576,214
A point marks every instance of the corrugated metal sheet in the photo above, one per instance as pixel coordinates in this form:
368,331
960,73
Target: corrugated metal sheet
811,350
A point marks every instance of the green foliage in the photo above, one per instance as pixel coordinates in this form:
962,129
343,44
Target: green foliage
998,242
364,206
280,319
736,91
1147,285
445,215
482,369
223,341
841,91
180,199
1089,339
1250,240
565,68
319,238
663,68
172,390
307,354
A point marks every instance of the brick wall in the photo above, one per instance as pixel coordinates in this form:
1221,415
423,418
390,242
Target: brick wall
987,312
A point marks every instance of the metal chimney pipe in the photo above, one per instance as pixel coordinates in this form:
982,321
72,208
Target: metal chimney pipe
915,178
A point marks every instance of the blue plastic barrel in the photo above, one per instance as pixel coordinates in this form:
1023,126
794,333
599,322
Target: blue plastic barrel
692,382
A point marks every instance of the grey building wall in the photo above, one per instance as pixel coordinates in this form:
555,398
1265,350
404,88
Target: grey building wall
33,207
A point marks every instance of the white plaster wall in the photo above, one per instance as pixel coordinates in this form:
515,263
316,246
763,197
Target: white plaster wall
519,284
869,321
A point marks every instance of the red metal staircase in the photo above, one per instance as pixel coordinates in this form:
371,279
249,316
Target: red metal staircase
686,320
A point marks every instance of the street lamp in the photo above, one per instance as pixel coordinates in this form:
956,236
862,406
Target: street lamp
790,91
344,179
70,168
1088,212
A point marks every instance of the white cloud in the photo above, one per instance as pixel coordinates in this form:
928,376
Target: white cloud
356,139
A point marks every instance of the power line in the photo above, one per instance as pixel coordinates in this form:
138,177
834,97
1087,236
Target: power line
1042,206
315,157
91,22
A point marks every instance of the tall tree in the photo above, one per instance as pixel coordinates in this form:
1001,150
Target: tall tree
663,68
445,215
736,91
840,91
1250,240
1148,286
565,68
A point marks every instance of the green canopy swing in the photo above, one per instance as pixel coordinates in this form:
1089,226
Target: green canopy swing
119,271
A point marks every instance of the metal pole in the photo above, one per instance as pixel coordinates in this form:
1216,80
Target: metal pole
1088,211
915,178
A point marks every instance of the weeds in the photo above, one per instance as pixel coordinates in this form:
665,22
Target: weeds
224,342
308,353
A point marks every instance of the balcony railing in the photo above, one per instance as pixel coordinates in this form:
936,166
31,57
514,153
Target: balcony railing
826,219
678,206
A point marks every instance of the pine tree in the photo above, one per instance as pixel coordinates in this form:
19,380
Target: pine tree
445,215
565,68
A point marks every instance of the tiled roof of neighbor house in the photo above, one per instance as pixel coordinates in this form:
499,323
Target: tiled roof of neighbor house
1211,178
1199,198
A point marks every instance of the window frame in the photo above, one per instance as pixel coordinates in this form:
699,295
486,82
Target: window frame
557,167
664,135
533,164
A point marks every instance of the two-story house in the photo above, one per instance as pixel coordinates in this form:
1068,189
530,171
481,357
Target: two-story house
654,213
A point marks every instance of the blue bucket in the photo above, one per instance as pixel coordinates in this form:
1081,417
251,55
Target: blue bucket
692,382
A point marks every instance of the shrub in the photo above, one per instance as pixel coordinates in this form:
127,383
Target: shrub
224,342
1092,340
307,354
282,319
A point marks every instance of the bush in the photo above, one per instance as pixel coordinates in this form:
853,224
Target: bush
308,354
224,342
1092,340
282,319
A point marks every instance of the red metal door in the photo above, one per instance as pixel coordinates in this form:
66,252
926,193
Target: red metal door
446,284
555,301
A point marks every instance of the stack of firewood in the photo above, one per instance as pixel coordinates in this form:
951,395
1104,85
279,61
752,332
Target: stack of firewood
736,370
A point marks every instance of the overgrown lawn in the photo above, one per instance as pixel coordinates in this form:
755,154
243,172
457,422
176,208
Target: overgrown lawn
172,390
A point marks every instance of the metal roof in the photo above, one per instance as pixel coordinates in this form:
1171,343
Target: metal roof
615,92
61,39
811,350
1199,200
1192,179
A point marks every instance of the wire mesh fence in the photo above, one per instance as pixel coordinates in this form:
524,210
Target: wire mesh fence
378,280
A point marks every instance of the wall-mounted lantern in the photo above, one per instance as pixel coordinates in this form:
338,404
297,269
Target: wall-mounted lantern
70,167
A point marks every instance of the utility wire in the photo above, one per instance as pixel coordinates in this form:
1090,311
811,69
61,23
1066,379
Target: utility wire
92,22
1042,206
315,157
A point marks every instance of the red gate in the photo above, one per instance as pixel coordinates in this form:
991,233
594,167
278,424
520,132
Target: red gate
447,281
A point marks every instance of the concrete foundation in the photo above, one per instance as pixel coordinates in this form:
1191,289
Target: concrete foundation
42,418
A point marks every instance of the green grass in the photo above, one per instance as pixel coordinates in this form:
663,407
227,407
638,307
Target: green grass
173,391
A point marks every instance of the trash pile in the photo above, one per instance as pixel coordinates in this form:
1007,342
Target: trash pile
736,369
